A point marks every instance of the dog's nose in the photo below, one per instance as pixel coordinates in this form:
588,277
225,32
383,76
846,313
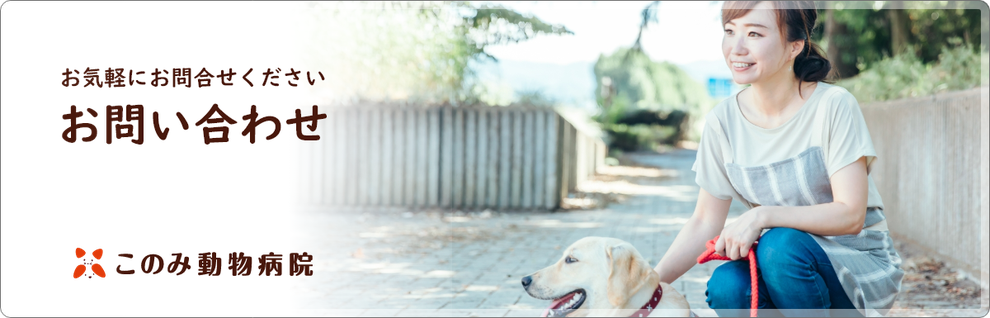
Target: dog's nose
526,281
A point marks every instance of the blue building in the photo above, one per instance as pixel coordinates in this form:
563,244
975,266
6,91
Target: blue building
719,87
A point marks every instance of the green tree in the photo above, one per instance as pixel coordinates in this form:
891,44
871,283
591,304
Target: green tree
859,34
413,51
905,75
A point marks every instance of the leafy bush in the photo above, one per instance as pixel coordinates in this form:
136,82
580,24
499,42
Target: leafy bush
630,84
905,75
647,84
639,137
625,137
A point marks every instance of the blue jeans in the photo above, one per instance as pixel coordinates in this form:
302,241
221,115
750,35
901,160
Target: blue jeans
795,279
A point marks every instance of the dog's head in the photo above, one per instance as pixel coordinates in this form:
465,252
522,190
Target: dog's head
593,273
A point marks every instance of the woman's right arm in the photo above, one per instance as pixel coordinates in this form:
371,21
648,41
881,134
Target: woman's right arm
706,222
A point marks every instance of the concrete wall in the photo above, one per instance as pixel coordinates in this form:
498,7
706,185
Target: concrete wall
932,170
464,158
985,184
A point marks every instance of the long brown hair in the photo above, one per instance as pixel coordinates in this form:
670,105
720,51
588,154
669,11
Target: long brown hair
796,20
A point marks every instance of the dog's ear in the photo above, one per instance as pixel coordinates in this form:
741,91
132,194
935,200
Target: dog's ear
626,274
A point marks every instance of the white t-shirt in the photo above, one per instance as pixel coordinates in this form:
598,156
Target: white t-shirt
791,165
843,137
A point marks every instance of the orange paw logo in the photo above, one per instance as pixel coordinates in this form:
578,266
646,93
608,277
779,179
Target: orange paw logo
81,269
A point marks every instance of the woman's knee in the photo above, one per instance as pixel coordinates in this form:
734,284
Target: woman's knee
729,287
785,236
781,245
783,254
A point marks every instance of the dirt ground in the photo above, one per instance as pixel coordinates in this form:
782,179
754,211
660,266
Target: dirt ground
931,288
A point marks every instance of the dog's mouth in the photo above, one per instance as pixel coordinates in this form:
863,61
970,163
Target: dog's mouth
562,306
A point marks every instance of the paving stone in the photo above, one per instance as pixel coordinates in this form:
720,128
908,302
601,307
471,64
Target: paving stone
342,312
524,313
426,266
380,312
500,301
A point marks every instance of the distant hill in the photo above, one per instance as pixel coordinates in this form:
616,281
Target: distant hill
568,83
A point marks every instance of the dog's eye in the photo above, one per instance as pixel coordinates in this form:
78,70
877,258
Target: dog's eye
569,260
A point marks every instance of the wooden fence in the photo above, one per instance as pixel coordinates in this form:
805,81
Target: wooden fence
931,171
464,158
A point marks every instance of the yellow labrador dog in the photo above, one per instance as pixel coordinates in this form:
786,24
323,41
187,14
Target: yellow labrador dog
600,276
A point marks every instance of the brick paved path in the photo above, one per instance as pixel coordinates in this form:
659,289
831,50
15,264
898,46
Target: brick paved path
392,262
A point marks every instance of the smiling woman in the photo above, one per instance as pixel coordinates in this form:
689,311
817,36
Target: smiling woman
763,42
796,151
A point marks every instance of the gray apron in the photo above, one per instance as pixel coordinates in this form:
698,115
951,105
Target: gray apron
867,265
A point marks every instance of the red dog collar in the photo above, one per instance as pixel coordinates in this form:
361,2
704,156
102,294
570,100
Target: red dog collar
650,305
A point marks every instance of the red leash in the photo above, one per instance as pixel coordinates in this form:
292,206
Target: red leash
709,255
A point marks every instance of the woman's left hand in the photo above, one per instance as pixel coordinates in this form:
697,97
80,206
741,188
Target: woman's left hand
737,238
